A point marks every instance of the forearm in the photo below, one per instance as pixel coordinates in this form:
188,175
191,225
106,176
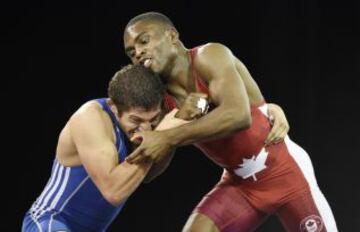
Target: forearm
124,180
218,123
158,168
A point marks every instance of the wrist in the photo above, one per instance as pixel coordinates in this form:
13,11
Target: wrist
172,137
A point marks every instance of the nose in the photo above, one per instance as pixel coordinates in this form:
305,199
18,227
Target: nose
145,126
139,53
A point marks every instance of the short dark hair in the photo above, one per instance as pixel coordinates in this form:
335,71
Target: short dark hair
136,86
151,16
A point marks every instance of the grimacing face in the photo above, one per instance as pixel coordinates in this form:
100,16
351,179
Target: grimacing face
138,119
149,44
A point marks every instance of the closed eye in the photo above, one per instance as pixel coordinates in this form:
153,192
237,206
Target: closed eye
130,53
144,39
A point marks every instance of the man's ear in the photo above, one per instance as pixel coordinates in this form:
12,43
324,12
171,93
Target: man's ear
113,107
174,34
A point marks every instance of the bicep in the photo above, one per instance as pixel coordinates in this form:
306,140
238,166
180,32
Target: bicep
94,145
217,65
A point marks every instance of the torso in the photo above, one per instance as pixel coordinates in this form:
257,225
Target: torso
197,83
70,195
229,152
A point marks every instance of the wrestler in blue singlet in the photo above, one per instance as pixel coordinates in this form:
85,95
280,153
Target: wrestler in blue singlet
70,200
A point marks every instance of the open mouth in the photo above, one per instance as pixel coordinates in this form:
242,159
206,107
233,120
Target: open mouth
146,62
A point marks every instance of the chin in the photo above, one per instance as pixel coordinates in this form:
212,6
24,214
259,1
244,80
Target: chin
155,69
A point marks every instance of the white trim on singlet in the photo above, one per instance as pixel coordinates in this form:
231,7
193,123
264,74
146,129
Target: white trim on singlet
67,200
264,109
36,223
38,202
62,188
303,161
42,210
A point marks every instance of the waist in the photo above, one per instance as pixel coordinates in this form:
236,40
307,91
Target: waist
71,193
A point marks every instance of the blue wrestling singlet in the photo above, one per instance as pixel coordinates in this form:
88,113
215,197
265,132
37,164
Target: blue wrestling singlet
70,200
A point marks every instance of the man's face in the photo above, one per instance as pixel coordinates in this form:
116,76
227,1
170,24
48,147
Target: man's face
138,119
149,44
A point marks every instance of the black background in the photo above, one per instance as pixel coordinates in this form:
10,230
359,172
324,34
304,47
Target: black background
304,55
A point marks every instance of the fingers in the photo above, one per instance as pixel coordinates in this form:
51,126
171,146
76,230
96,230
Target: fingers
199,95
173,113
135,156
195,97
277,133
138,159
197,113
270,138
282,134
279,137
137,136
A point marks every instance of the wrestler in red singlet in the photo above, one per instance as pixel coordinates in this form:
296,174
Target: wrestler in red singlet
259,181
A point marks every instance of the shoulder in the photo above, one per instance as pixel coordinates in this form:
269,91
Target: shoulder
89,109
90,114
209,50
212,56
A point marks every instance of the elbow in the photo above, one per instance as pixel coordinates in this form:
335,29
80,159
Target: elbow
115,199
148,180
109,193
112,195
246,122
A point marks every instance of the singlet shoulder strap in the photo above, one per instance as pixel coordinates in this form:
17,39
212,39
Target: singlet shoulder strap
199,82
120,137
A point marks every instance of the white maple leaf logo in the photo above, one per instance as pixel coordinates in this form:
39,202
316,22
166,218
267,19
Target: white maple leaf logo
251,166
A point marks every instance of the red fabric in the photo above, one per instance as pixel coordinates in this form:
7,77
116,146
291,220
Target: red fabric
228,152
228,207
237,204
201,86
169,102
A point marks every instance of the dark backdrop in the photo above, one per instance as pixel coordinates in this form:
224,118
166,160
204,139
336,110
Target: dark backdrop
304,55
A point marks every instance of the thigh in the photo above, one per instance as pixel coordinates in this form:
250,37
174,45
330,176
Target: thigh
56,225
224,209
309,207
30,224
303,213
47,223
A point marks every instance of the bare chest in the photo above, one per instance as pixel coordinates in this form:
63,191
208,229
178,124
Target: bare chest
180,91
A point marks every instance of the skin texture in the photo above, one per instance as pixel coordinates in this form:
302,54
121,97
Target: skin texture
88,139
232,91
220,69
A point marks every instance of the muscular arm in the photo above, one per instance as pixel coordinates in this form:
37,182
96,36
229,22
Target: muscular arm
232,112
99,156
169,121
216,63
228,93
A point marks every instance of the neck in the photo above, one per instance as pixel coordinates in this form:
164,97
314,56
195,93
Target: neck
179,66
